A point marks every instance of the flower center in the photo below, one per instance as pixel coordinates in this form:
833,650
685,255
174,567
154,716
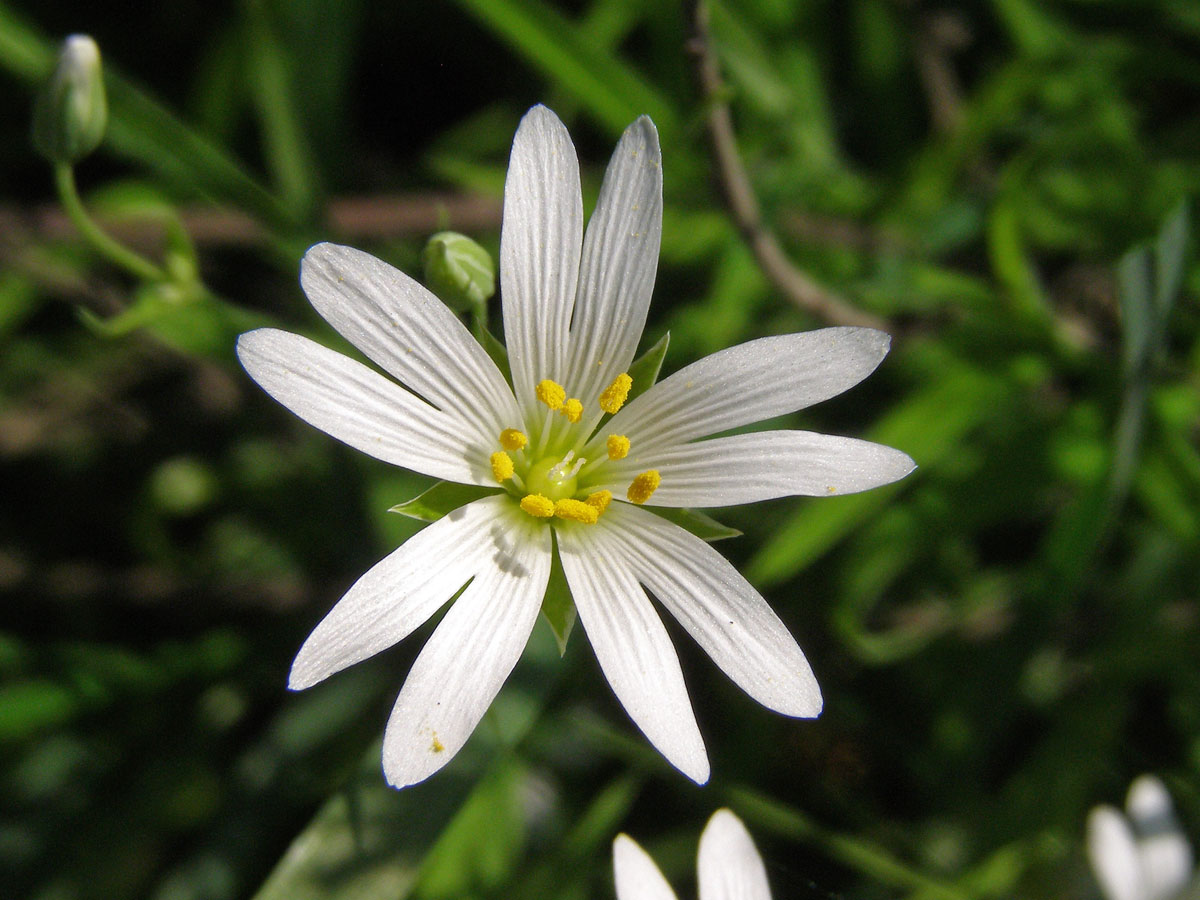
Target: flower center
554,478
546,479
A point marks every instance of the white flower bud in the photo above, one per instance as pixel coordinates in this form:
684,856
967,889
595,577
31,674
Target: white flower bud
458,270
72,111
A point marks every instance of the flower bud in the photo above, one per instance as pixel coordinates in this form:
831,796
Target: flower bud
72,112
459,271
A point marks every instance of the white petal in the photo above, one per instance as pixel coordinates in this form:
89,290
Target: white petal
1163,850
718,607
407,331
635,874
1113,855
633,647
471,653
620,258
729,867
360,407
746,468
748,383
539,250
401,591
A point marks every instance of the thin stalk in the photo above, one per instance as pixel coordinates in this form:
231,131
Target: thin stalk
118,254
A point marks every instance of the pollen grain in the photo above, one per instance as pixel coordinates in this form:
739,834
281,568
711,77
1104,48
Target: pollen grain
618,446
511,439
613,397
502,466
599,500
644,486
537,505
576,511
551,393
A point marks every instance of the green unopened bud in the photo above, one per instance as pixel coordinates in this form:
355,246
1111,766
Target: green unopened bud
72,112
459,271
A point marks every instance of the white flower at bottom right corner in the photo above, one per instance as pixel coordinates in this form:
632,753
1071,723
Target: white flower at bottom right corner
1141,854
728,866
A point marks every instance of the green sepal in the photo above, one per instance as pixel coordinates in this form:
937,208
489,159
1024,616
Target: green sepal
704,527
442,498
558,606
644,370
497,351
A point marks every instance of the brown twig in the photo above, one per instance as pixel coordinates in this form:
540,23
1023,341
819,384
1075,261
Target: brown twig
937,39
796,285
399,215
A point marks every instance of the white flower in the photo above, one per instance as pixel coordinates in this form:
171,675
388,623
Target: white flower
555,449
1142,855
728,866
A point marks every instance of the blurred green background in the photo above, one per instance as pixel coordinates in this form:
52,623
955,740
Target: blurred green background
1004,639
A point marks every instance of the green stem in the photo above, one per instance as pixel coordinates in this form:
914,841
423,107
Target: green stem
479,320
119,254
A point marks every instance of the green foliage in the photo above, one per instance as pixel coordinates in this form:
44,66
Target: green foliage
1004,639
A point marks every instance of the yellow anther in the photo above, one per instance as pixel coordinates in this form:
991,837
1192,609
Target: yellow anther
599,500
644,486
573,409
613,397
537,505
511,439
502,466
551,393
618,446
576,511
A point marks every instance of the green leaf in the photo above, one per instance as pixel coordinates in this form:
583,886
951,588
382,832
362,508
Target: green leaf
1137,316
704,527
558,606
142,129
931,426
370,840
497,351
610,89
443,497
1170,251
644,370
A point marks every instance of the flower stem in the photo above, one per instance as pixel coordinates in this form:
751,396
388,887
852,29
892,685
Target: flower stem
119,254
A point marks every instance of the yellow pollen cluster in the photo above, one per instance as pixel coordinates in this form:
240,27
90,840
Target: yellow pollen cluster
551,393
511,439
644,486
577,511
572,409
538,505
502,466
599,501
618,446
612,398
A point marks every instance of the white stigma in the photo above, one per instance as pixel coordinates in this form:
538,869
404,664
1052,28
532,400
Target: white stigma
560,471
